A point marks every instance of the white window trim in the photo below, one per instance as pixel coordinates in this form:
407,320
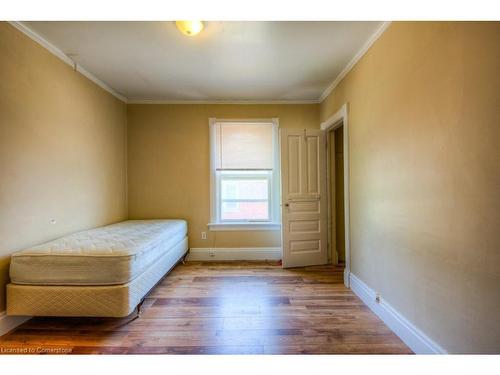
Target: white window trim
275,194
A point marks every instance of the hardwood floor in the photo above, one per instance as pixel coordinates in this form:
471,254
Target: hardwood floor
225,308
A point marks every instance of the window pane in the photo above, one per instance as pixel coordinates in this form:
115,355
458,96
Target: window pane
244,211
244,189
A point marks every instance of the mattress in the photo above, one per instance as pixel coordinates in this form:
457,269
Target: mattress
109,255
96,301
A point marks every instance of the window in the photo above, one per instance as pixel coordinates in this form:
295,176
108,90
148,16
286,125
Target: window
244,175
245,195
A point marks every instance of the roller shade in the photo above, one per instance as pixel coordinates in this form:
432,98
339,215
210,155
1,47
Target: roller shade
244,145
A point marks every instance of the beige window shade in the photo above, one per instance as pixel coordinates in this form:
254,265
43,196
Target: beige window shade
244,145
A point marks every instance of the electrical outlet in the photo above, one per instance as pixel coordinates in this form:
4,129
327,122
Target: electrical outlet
211,254
203,235
377,298
52,221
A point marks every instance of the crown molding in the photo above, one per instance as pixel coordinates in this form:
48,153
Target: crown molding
65,58
355,59
222,101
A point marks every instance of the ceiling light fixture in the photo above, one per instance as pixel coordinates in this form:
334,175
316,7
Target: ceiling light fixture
189,28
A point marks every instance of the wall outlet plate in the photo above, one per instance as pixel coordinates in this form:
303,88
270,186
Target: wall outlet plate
203,235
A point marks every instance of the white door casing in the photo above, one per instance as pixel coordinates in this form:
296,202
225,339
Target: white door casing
304,211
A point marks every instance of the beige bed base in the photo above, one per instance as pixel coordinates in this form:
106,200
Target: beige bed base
92,301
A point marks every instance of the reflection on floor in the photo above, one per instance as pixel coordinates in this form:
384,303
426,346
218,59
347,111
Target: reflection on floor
225,308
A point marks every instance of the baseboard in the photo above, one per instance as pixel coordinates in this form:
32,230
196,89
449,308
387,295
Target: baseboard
236,253
411,335
8,323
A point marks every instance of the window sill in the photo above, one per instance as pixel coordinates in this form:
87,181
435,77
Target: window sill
243,226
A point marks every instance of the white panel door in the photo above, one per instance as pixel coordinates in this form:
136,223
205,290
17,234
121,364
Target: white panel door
303,208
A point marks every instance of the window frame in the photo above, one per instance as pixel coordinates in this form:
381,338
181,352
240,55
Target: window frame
216,224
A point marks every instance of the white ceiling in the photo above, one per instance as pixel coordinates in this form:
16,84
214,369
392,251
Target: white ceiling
255,61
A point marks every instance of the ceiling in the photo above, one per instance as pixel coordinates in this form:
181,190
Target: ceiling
239,61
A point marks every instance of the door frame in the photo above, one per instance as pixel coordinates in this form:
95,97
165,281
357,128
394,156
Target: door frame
340,118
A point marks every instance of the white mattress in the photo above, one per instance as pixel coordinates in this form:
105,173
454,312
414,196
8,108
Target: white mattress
109,255
88,300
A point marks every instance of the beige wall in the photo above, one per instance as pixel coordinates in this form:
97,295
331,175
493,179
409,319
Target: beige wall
425,167
62,149
424,115
168,164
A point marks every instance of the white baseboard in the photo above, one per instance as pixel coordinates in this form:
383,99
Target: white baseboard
236,253
8,323
411,335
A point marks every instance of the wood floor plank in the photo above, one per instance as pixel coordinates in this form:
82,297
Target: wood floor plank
225,308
